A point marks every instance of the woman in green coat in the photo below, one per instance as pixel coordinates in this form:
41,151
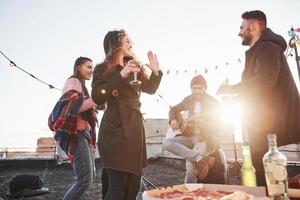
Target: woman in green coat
121,138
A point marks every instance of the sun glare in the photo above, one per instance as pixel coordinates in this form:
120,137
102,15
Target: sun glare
230,114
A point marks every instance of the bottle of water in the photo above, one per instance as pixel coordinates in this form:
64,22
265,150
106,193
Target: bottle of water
248,177
275,164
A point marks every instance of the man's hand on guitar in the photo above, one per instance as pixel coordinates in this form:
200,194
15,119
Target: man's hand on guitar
174,124
196,119
200,122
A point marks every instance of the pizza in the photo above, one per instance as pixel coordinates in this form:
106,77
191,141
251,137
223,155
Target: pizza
194,192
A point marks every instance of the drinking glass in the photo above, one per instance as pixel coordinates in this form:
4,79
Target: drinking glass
135,81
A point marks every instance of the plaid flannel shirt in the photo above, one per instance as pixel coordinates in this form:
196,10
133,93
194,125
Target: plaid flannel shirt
63,119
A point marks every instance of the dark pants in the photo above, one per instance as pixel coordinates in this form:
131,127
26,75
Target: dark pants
104,181
258,148
121,185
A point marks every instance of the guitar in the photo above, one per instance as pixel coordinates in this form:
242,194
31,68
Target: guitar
186,126
172,133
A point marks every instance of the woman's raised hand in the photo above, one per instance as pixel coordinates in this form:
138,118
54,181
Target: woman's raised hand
153,63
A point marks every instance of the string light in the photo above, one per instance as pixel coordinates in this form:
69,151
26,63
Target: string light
12,64
168,71
205,70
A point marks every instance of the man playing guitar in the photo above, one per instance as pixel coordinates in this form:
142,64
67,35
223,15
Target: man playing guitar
197,133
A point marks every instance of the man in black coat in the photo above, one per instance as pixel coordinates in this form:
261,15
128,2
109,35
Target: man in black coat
268,92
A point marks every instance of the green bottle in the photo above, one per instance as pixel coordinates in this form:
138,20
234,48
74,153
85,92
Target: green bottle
248,177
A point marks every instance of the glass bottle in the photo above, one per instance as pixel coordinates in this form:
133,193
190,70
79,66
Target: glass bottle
275,164
248,177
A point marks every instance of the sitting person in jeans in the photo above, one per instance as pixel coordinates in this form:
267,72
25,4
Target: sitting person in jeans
198,130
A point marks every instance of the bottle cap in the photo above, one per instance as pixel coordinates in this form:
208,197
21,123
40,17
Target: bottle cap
246,150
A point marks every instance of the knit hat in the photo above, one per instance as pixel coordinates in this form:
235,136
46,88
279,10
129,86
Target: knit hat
199,80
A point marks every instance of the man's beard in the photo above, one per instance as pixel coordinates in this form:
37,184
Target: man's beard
246,41
246,38
198,96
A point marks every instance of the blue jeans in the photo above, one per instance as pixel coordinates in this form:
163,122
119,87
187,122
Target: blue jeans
185,147
122,185
83,168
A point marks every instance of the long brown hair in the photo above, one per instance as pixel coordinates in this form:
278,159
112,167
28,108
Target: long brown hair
76,73
112,44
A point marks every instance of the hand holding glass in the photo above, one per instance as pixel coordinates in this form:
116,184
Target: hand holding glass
135,81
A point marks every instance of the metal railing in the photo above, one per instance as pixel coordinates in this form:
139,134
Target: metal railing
45,152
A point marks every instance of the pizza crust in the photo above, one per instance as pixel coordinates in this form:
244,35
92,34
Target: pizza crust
157,192
238,195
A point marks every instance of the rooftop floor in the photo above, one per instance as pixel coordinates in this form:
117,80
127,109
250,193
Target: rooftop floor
59,178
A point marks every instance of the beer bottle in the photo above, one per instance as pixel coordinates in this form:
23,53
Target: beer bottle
248,177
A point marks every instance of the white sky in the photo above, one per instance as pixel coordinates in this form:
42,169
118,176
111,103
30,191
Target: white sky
45,37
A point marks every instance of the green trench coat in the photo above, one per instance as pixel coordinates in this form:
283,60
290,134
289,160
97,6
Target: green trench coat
121,138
